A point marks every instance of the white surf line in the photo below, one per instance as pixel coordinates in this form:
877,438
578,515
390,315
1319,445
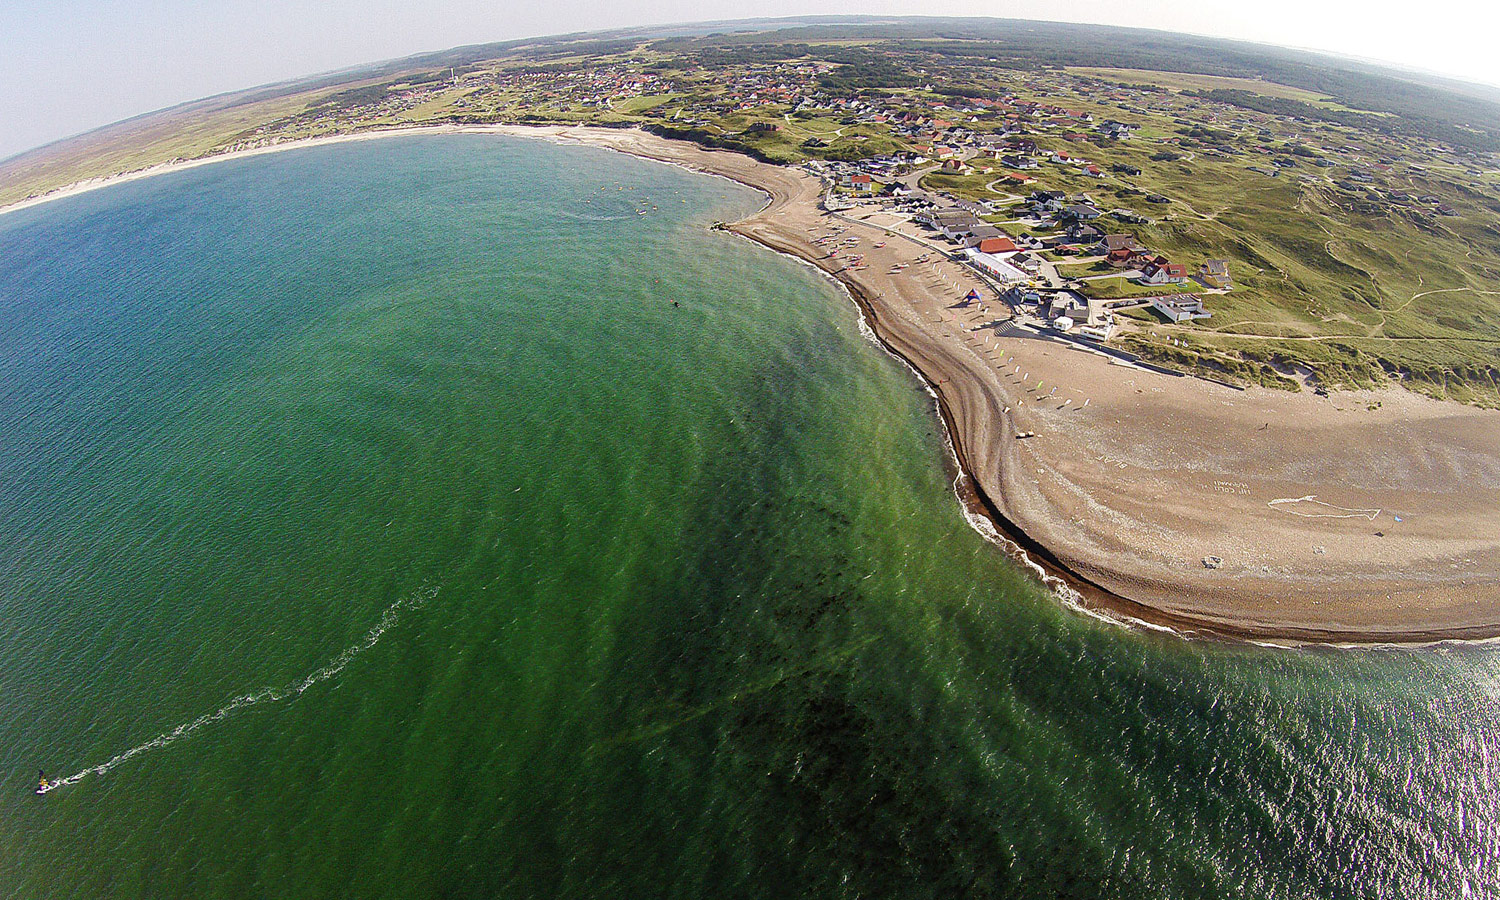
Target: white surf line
290,691
1344,512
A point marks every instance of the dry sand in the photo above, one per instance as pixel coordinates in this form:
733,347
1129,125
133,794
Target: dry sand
1133,477
1127,495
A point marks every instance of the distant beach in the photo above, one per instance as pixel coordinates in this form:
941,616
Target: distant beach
1361,518
93,184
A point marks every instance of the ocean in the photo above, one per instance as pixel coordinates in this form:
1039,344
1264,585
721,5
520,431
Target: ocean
462,517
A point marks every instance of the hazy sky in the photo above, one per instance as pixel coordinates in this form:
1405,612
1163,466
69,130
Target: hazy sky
70,65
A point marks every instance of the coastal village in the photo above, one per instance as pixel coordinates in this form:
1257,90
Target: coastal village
1043,480
1161,313
1023,268
1188,221
1227,227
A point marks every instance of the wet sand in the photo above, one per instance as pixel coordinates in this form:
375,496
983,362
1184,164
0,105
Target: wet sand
1133,478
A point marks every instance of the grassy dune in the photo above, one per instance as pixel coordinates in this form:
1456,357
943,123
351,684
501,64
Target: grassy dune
1340,269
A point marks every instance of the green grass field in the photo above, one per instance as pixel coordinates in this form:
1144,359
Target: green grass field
1359,282
1186,81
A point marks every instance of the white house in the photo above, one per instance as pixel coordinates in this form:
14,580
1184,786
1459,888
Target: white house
1181,307
1160,272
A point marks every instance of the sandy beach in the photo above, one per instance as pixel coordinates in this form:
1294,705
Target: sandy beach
1360,518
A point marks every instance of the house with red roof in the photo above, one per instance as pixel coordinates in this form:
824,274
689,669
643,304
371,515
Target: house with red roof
1159,271
997,245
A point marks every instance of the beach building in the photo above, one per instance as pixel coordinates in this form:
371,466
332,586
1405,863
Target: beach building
995,266
982,233
1032,265
1114,243
1181,307
1103,330
956,224
1215,274
1160,271
1067,303
997,245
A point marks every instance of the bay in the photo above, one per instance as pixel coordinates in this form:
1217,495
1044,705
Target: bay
460,516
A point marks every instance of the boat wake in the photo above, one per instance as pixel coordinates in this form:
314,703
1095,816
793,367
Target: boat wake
290,691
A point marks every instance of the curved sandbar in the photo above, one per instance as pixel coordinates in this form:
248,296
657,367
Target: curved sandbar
1133,478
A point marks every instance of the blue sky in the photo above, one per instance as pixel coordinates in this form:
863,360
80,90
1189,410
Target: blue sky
70,65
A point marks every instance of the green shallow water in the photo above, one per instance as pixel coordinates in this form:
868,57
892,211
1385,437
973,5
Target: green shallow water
465,564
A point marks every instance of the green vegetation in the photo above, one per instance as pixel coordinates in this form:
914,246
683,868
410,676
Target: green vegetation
1230,366
1410,123
1185,81
974,186
1117,288
1359,209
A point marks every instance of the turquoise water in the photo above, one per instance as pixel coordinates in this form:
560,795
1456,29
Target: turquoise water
376,526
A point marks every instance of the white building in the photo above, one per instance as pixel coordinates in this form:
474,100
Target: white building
996,266
1181,307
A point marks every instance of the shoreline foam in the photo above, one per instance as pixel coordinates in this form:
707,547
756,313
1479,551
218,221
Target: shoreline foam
1224,615
1058,516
